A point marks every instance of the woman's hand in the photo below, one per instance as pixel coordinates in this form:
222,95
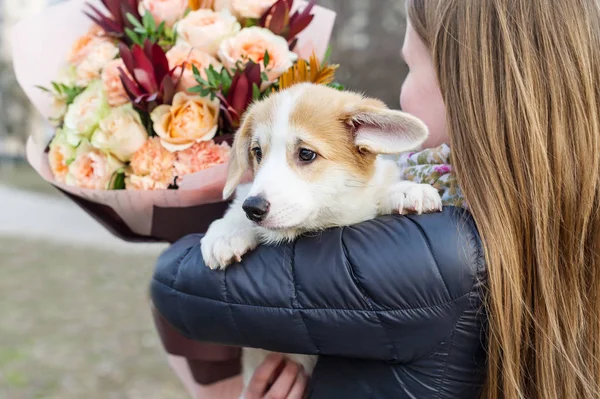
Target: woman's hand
277,378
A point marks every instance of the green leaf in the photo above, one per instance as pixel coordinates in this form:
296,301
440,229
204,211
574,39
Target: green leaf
196,89
264,77
327,56
225,81
249,22
133,36
213,76
255,91
148,20
267,58
42,88
69,161
133,21
337,86
56,87
151,23
118,180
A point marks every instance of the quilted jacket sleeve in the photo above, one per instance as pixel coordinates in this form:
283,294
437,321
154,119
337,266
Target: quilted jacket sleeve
389,289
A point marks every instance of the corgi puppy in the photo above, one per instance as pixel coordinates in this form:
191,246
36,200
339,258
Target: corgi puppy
315,153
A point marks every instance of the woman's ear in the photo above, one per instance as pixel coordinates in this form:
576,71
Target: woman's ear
380,130
239,163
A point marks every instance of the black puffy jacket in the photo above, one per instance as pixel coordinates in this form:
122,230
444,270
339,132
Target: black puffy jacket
393,306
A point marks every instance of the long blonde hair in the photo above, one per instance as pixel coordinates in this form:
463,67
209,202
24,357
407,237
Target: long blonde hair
521,83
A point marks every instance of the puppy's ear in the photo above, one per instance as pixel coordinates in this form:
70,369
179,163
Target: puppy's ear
380,130
239,163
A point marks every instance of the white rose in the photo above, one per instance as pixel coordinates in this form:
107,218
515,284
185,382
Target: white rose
120,133
251,8
205,29
85,113
252,43
91,67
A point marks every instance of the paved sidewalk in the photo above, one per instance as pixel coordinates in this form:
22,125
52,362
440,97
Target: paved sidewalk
39,216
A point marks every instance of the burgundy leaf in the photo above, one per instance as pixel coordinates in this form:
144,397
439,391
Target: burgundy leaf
232,117
167,88
159,60
253,73
293,44
107,25
232,87
113,6
306,11
127,57
240,98
278,20
145,80
130,86
299,25
142,62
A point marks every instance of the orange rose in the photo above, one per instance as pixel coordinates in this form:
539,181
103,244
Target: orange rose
151,167
201,156
182,54
113,87
189,120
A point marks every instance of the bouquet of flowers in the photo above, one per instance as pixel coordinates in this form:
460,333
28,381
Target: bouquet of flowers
147,99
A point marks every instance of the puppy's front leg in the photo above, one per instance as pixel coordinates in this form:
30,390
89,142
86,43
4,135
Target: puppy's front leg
229,238
407,196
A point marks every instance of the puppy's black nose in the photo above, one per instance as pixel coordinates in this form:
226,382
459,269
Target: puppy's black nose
256,208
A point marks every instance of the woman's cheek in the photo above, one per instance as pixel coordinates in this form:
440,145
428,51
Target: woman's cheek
425,102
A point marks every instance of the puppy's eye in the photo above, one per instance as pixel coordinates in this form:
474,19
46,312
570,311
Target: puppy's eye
307,155
257,152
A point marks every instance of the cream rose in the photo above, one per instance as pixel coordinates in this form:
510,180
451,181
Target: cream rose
90,68
252,43
182,54
120,133
189,120
251,8
111,81
85,113
91,168
60,156
151,167
82,47
205,29
167,11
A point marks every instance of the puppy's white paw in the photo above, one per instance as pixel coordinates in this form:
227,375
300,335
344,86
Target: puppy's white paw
422,198
225,243
416,198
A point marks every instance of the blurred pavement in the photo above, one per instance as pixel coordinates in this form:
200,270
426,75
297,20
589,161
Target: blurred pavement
52,218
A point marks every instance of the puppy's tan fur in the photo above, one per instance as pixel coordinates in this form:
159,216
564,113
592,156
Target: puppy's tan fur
347,182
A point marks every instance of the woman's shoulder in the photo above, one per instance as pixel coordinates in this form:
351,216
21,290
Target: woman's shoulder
400,261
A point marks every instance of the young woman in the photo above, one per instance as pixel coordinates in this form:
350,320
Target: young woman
513,89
